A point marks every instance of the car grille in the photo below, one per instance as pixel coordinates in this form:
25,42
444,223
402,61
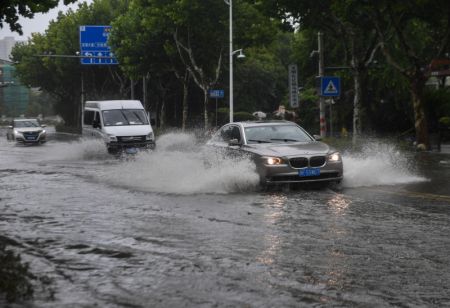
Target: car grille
130,139
302,162
299,162
317,161
31,134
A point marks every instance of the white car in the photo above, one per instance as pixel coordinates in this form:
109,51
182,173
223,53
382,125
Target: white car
26,131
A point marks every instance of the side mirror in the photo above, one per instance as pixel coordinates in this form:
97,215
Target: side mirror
317,137
234,142
10,126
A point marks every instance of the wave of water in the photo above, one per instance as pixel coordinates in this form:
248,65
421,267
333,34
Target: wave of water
378,164
180,166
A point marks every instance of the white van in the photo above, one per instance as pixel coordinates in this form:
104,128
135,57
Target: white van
122,124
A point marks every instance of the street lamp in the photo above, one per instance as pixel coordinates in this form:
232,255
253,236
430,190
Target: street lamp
232,53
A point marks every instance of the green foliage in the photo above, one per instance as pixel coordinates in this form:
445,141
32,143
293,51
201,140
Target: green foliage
61,77
243,116
445,121
12,9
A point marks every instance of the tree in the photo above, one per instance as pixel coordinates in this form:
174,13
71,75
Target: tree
12,9
44,61
346,21
412,34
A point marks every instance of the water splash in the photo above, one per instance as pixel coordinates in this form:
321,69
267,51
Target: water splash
378,164
84,149
180,166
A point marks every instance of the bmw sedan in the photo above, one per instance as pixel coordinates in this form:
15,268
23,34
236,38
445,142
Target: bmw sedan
283,151
27,131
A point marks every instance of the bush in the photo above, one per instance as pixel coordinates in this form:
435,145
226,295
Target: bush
14,276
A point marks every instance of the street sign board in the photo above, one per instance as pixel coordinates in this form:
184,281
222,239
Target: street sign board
330,86
216,93
94,45
293,86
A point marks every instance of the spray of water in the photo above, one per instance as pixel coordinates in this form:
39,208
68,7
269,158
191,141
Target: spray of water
180,166
85,149
378,164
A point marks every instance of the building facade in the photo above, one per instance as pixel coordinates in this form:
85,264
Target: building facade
6,45
14,97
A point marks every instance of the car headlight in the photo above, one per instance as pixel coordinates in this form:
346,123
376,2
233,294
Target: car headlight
271,161
112,138
336,156
16,132
149,137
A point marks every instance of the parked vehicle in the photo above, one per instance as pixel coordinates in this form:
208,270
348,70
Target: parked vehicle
283,151
26,131
122,124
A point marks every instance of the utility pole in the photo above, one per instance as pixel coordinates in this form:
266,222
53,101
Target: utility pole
323,123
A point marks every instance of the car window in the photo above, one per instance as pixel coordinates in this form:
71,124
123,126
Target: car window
276,133
120,117
26,123
88,117
227,133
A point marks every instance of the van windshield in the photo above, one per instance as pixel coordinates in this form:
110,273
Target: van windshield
120,117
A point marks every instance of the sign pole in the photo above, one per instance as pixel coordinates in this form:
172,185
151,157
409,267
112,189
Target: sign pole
216,111
323,125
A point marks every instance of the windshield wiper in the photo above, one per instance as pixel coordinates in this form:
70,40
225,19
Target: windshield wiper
259,141
285,139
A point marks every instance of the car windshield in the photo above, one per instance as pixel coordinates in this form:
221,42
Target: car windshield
120,117
26,123
276,133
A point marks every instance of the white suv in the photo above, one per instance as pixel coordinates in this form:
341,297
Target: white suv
26,131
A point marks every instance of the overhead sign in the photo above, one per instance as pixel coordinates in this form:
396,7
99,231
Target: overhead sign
293,86
216,93
330,86
94,45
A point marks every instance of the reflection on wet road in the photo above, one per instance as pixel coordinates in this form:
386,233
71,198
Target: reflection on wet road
108,233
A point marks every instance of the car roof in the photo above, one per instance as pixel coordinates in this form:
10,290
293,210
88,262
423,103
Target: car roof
264,123
29,119
114,104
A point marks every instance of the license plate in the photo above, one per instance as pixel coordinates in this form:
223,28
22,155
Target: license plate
130,150
31,138
309,172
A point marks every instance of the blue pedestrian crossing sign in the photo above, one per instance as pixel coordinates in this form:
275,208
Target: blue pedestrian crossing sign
330,86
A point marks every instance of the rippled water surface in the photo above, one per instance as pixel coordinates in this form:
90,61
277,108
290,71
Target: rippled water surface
182,226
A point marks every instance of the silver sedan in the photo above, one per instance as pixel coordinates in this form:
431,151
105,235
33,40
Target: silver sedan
283,151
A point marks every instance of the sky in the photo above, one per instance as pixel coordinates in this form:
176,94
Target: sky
39,23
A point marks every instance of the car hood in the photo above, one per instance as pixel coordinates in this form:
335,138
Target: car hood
293,149
128,130
28,129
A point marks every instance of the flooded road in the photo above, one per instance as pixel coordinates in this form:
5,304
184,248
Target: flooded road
167,230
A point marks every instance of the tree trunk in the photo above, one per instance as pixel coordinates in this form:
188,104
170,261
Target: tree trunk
420,120
356,106
205,107
162,115
185,106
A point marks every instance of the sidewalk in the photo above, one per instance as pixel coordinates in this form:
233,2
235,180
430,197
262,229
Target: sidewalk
445,148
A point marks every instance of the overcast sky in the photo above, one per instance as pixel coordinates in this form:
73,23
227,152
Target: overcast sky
39,23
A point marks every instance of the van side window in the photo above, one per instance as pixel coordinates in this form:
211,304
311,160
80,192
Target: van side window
88,117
